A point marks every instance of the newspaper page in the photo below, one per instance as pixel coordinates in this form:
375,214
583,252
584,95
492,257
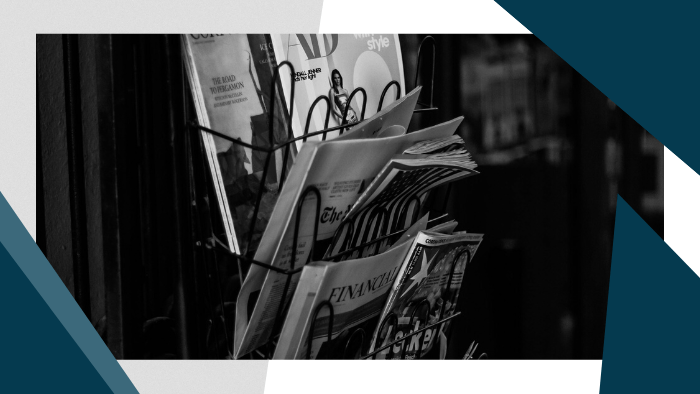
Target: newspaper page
357,291
392,193
307,289
334,65
421,293
231,80
451,143
340,170
380,244
387,216
378,247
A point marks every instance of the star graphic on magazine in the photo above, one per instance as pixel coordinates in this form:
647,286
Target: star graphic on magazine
422,274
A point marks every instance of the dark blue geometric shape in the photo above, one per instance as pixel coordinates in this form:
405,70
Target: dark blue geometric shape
39,356
641,55
25,256
652,330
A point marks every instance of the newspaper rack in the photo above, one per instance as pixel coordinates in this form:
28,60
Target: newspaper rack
358,335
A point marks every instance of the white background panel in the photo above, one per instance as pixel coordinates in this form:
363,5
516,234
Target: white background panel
433,16
682,210
189,377
455,376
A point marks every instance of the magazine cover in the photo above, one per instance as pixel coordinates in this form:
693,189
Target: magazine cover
231,80
420,294
334,65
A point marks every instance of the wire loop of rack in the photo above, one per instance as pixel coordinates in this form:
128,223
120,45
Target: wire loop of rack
380,234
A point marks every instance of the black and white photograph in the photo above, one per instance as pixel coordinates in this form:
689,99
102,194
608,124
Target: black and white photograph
334,196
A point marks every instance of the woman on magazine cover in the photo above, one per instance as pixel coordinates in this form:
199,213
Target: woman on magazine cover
339,97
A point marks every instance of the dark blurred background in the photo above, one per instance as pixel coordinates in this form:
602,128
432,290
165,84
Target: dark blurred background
123,200
553,153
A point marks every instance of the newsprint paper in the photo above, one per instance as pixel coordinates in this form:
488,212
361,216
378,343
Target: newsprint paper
405,178
356,290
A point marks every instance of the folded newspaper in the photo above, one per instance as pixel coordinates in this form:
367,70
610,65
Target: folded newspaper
423,293
340,170
356,290
378,244
401,184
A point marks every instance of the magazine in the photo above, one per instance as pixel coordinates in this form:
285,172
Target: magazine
333,168
421,295
231,81
349,313
334,65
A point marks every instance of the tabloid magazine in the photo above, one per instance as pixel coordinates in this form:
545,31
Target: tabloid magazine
425,290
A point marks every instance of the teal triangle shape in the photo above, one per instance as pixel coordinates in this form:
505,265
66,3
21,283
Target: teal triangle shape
39,354
652,330
43,330
641,55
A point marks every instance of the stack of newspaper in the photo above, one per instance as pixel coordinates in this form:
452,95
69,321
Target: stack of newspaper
355,177
350,211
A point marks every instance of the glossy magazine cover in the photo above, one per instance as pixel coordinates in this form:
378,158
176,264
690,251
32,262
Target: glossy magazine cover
231,78
421,295
333,65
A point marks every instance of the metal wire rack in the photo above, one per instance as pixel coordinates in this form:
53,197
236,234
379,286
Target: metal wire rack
354,345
